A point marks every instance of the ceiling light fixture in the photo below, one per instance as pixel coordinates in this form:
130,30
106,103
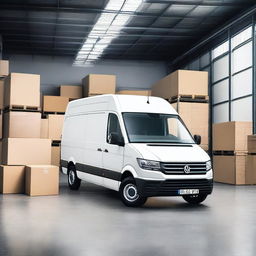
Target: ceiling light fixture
106,29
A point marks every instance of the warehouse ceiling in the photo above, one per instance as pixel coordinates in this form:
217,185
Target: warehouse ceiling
153,30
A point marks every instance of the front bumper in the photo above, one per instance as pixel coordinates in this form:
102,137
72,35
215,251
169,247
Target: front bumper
149,188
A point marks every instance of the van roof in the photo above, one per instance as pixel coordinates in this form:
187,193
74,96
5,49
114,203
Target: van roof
121,103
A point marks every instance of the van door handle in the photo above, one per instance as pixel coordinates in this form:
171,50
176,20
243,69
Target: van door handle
106,151
99,149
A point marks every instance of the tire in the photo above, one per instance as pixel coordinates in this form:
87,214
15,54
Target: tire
129,193
195,199
73,181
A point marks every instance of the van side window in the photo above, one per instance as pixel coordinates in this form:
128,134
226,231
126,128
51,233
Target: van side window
113,125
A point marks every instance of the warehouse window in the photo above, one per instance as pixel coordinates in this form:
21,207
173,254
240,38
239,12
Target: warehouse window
242,84
221,113
221,68
242,57
221,91
241,109
219,50
241,37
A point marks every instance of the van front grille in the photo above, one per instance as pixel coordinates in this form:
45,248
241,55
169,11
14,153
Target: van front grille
179,168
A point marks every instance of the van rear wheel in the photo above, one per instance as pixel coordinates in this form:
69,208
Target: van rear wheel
195,199
129,193
73,181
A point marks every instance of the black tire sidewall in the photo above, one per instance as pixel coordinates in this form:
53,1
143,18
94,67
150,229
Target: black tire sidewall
138,202
195,200
77,182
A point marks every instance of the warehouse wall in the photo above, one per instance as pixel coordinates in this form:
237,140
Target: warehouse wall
58,70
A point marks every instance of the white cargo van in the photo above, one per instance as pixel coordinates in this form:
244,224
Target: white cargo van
136,145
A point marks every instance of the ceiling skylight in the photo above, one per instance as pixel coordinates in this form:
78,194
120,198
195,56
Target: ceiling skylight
106,29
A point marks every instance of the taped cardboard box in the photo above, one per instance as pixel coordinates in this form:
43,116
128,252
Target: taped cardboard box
55,103
4,68
251,142
1,94
250,173
42,180
196,118
55,155
231,136
182,82
55,126
135,92
71,91
22,90
19,124
24,151
95,84
229,169
12,179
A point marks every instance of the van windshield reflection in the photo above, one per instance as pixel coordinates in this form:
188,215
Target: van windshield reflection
156,128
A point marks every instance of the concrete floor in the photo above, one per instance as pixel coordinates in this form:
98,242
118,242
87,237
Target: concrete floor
94,222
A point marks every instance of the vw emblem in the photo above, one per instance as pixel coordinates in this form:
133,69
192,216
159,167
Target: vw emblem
186,169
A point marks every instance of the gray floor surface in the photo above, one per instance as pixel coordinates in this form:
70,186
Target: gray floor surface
94,222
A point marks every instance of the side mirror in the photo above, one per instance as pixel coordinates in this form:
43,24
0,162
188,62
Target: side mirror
116,139
197,139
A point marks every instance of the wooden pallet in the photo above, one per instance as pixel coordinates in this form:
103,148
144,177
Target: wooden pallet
229,153
46,113
189,98
56,143
22,108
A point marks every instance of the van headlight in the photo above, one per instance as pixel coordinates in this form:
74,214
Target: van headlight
208,165
149,164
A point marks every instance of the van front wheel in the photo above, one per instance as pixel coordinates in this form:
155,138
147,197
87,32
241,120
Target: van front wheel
129,193
195,199
73,181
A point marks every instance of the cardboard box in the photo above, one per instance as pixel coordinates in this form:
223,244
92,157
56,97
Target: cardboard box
251,143
1,94
182,82
250,173
229,169
1,150
95,84
55,126
19,124
55,155
22,90
135,92
4,68
12,179
196,118
71,91
204,147
44,129
19,151
42,180
231,136
55,104
1,125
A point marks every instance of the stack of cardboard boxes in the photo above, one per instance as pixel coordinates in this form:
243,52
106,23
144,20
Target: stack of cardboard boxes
26,158
187,92
230,152
54,108
250,177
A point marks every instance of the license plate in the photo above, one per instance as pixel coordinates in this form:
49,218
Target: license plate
188,191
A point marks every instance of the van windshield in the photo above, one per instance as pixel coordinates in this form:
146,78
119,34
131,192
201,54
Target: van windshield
156,128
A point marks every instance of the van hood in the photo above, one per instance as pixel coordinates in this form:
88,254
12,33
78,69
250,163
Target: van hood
172,153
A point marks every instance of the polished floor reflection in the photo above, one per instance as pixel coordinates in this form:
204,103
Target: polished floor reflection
94,222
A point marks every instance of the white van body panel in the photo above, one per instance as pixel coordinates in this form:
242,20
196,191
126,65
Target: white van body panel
85,145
